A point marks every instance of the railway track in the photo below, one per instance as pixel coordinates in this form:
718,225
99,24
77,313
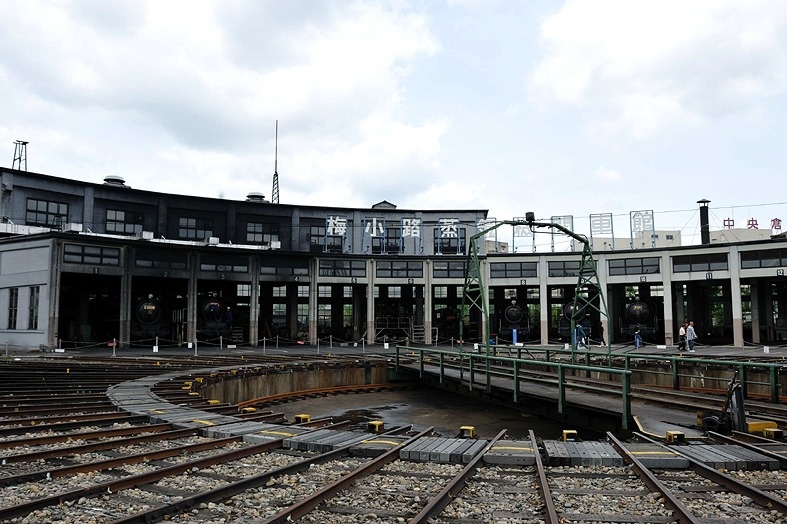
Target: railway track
68,464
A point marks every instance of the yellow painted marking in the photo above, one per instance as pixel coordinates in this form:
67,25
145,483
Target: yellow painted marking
206,422
652,453
286,434
373,441
511,447
157,411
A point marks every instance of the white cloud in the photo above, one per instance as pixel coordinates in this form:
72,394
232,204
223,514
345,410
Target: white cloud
606,175
642,66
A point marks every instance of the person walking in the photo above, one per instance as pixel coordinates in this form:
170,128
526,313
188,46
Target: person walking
691,336
580,336
637,338
682,337
601,335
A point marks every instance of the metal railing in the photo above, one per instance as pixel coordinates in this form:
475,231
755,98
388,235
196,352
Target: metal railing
550,373
678,369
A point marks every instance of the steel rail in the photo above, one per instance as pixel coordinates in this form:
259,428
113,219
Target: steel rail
226,492
99,465
757,495
71,436
119,418
324,392
679,510
550,512
311,502
147,434
40,421
88,407
133,480
437,503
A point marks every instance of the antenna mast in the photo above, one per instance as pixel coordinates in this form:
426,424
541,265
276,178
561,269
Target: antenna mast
20,155
275,194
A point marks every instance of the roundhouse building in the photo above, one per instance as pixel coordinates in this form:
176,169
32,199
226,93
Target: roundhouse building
92,263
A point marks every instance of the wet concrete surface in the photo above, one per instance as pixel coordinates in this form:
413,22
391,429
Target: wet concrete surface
423,408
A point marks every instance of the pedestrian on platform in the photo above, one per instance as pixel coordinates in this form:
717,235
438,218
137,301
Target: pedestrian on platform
691,336
637,338
580,336
682,337
601,335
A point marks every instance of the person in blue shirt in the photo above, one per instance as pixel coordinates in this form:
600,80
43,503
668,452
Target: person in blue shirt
637,338
580,336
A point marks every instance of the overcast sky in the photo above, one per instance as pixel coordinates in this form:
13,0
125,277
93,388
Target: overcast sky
560,108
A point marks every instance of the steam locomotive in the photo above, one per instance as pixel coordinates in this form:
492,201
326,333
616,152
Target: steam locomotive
638,313
216,319
581,318
514,317
148,321
152,319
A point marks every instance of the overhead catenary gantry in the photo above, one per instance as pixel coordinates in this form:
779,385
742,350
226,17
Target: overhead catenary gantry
587,294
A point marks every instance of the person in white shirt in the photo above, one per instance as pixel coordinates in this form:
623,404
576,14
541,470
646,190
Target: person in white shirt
691,336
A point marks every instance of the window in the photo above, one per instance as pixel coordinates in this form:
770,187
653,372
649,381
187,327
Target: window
285,268
389,243
32,316
342,268
323,316
513,270
303,315
195,228
224,264
324,291
260,233
45,213
160,260
448,270
453,245
320,242
394,291
279,315
440,291
96,255
243,290
568,268
709,262
279,291
123,222
13,306
303,291
399,269
635,266
763,258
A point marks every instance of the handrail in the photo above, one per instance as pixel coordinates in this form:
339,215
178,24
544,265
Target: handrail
675,362
516,374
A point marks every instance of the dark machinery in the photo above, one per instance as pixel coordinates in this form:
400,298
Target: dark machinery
638,313
732,416
149,319
216,319
580,318
515,317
